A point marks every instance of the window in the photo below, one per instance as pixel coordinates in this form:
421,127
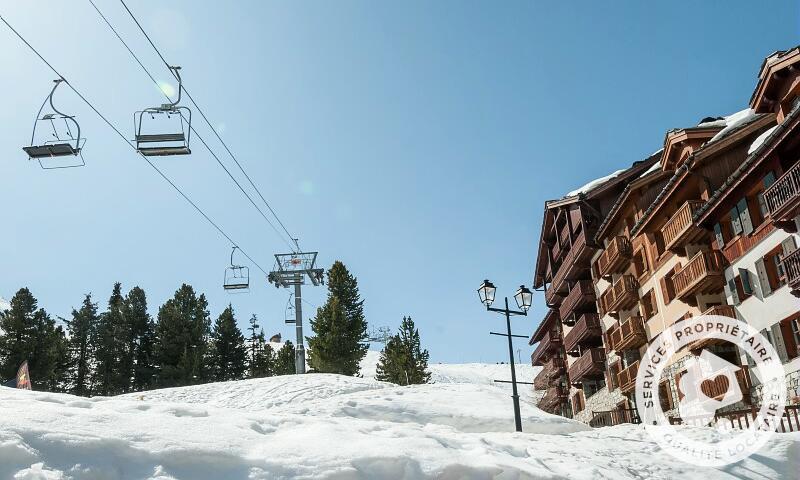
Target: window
744,286
768,180
649,306
790,331
613,371
667,288
665,396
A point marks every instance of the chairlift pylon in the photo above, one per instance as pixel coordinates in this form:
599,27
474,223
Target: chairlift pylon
237,277
160,142
59,141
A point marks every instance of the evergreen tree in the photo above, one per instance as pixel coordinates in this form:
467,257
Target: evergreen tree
229,358
81,329
182,339
108,343
59,352
141,341
284,359
339,326
30,334
403,361
253,344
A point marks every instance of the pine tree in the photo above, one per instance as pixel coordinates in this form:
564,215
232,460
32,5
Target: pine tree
142,339
284,359
30,334
229,357
182,339
339,326
81,328
108,343
403,361
253,345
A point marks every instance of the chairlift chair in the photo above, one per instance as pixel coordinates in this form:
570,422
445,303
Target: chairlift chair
237,277
160,143
55,136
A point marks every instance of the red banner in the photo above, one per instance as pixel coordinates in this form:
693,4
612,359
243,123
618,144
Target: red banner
23,377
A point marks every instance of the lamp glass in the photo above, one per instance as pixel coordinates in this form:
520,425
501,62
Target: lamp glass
486,292
523,297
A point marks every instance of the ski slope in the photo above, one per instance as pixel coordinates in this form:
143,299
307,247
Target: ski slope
322,426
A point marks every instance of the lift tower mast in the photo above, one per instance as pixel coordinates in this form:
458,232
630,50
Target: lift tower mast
291,269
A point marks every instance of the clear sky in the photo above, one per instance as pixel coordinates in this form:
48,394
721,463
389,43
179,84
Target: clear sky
416,141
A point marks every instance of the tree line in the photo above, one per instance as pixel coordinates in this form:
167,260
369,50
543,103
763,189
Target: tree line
122,349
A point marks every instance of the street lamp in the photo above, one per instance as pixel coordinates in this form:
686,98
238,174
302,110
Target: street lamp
523,297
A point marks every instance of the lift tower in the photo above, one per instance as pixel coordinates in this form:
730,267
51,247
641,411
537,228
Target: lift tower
291,269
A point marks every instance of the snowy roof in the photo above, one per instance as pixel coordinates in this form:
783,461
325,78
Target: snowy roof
595,183
760,140
730,123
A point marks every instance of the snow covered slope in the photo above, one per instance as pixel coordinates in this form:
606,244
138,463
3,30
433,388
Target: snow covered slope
325,426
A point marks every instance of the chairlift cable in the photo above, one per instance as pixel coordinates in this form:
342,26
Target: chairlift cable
202,140
122,136
208,122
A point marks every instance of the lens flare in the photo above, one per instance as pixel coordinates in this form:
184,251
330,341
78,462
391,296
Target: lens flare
167,88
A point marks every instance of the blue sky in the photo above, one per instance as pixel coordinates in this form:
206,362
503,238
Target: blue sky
415,141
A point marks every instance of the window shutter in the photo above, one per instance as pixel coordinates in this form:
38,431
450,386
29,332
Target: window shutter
718,234
665,291
777,338
747,286
736,222
678,385
763,277
789,245
731,295
762,205
744,216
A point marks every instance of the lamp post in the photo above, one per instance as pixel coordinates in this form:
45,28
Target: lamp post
523,297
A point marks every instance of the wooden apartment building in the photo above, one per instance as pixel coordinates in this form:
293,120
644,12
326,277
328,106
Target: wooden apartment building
706,225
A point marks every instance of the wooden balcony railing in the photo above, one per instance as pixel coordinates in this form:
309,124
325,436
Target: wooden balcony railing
587,327
555,367
591,364
575,262
621,295
680,229
580,296
629,335
564,235
609,418
615,256
549,343
542,381
701,275
791,265
627,378
783,196
553,397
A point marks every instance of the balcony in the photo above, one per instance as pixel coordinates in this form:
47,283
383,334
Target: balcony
574,264
553,397
621,295
590,365
587,327
615,257
680,229
629,335
791,265
580,297
549,343
541,381
783,198
554,367
702,275
627,378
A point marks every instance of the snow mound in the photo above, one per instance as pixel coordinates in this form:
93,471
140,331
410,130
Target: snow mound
450,431
729,123
261,393
760,140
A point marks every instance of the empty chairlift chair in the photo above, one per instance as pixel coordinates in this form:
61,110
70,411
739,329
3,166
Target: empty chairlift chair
56,140
237,277
164,130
